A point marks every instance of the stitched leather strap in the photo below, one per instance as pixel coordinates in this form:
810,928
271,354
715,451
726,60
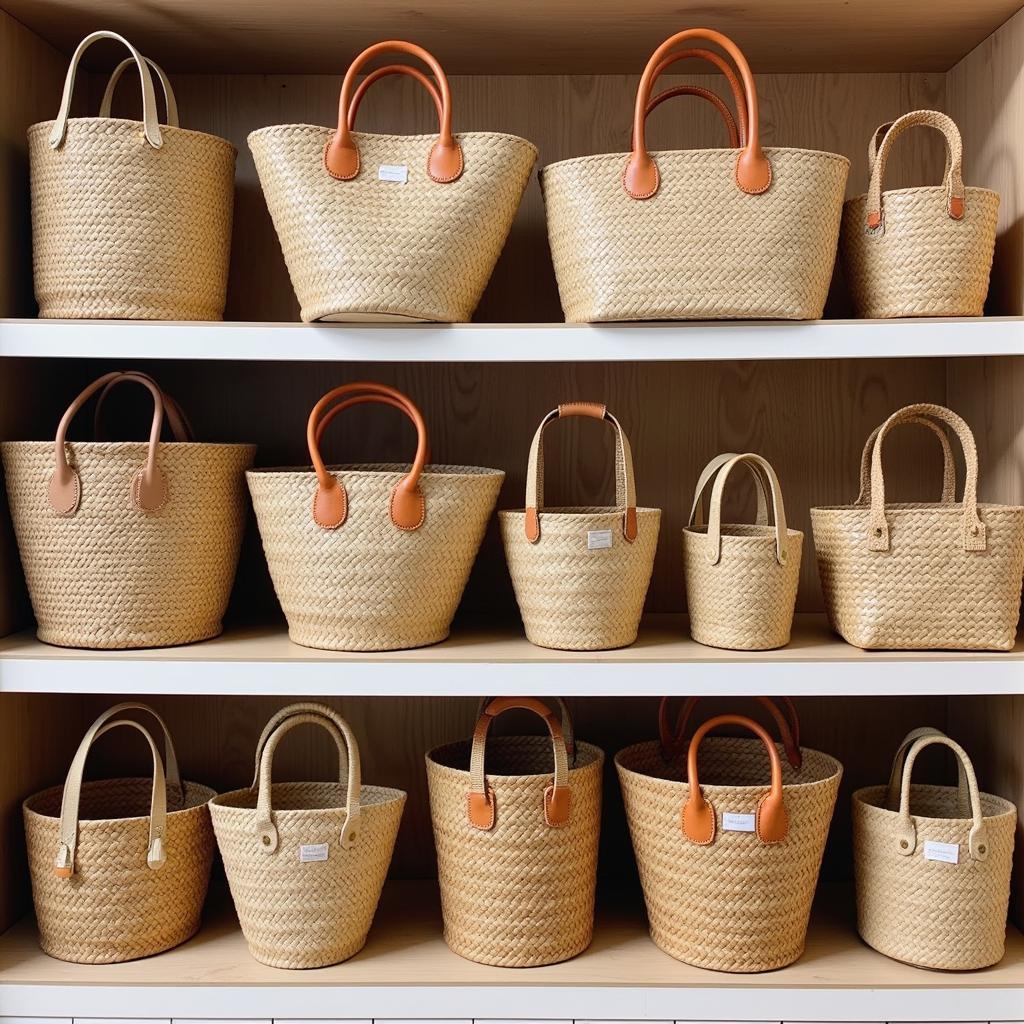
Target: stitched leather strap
708,474
948,462
714,541
115,76
566,720
892,793
174,416
384,72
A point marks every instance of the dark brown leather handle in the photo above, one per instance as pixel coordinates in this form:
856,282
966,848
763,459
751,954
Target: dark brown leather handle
384,72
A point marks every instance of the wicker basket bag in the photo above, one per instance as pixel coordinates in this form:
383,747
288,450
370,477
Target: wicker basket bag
933,883
741,580
119,867
924,251
130,220
728,869
695,234
390,227
581,574
371,557
921,575
124,543
516,841
306,861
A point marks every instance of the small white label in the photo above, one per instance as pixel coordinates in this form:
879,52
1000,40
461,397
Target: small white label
312,852
948,853
597,539
737,822
393,172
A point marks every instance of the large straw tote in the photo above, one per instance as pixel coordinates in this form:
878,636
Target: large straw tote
130,219
306,861
932,868
371,557
920,575
741,579
119,867
695,234
924,251
728,868
390,227
516,841
125,543
581,574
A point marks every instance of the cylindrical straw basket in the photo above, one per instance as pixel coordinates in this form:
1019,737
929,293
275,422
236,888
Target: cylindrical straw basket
119,867
127,544
371,557
728,867
306,861
130,220
923,251
932,865
741,580
922,575
581,574
516,841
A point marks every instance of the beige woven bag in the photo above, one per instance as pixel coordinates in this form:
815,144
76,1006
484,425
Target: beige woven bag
130,220
924,251
119,867
306,861
728,870
741,580
920,575
933,885
371,557
581,574
695,234
390,227
124,543
516,841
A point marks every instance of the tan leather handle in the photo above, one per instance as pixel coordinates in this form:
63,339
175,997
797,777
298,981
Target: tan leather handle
771,823
481,805
948,462
566,721
708,474
330,502
705,94
384,72
714,536
174,416
753,173
341,155
400,404
148,488
115,76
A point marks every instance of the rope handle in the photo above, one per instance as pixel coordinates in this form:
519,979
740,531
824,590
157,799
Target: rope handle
384,72
714,541
115,76
948,462
283,714
568,734
708,474
174,415
892,793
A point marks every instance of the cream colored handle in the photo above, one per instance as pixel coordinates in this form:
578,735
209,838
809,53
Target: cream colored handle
714,541
892,793
115,76
948,462
303,708
708,473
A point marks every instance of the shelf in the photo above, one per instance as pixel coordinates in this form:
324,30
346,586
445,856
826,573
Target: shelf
663,660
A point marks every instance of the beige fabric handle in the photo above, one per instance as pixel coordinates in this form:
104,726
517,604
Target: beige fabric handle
714,542
948,462
892,793
876,140
563,710
708,473
304,708
115,76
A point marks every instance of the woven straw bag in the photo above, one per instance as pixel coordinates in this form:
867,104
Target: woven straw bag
924,251
130,220
695,234
728,870
119,867
390,227
306,861
741,580
371,557
581,574
919,575
516,841
933,885
130,544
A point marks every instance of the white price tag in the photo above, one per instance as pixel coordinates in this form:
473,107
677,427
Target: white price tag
948,853
737,822
598,539
393,172
312,852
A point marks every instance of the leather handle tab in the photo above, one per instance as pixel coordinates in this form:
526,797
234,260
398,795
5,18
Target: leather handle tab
948,462
174,415
341,155
115,76
384,72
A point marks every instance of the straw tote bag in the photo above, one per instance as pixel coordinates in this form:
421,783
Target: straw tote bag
581,574
371,557
728,867
924,251
922,576
306,861
741,580
127,543
130,220
119,867
695,234
516,835
932,868
390,227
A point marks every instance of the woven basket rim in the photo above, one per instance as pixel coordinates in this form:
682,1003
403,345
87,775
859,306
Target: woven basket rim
977,190
376,469
389,795
757,532
385,136
104,447
768,151
930,507
568,511
45,127
142,781
860,796
595,755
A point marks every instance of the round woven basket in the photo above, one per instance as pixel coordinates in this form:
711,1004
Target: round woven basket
581,574
728,900
306,861
132,544
371,557
130,220
119,867
932,866
516,842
